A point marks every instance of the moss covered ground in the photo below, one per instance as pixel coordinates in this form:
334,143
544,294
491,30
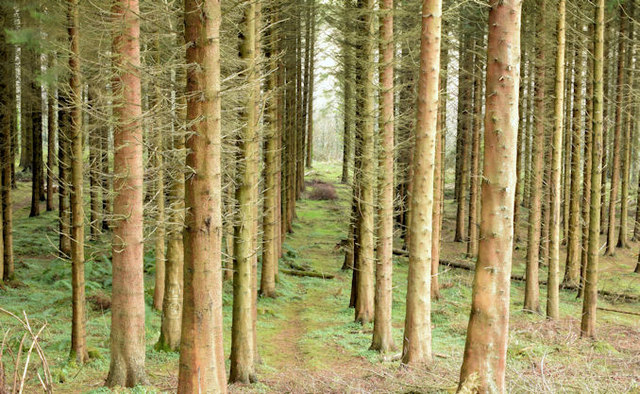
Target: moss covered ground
307,339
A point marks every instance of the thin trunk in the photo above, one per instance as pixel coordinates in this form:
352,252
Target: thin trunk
79,351
7,131
589,306
347,90
417,325
382,330
487,334
553,297
52,107
64,166
310,89
35,113
243,356
617,136
269,220
474,183
439,173
574,249
588,164
158,162
127,300
532,288
95,164
627,142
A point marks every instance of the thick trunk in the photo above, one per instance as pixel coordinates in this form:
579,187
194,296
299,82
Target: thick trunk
35,114
487,334
416,347
201,351
158,163
382,331
127,300
589,306
532,289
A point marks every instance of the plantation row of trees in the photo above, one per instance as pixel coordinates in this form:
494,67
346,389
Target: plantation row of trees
191,125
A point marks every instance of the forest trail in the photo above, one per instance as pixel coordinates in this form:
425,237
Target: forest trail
305,349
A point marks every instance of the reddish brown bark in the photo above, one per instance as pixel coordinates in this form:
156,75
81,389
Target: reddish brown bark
487,334
127,299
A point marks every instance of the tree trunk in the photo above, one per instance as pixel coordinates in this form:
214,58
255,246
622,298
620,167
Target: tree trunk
127,300
64,167
158,162
95,165
627,139
617,137
574,249
532,289
589,306
487,334
417,325
269,220
347,86
106,176
52,107
243,358
365,302
382,330
553,296
201,351
588,164
474,184
6,100
35,114
79,351
439,175
465,122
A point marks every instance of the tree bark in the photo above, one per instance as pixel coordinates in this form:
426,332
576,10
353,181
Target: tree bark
52,107
382,330
364,307
201,351
35,114
617,136
127,300
574,249
417,325
476,133
532,290
243,356
487,334
553,288
589,306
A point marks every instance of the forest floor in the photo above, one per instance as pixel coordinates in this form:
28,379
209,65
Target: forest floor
308,342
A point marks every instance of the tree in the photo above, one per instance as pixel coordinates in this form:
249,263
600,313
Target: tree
127,299
476,132
487,334
271,229
243,356
532,289
382,333
64,176
553,298
574,250
201,352
617,136
35,113
590,300
78,331
417,325
364,307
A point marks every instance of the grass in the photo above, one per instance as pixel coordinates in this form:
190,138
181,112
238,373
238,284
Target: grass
307,339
